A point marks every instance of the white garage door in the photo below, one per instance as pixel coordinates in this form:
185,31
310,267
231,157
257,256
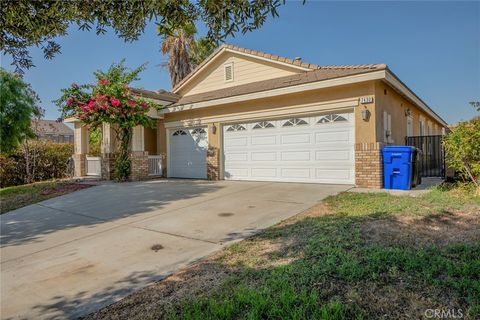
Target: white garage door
188,153
317,149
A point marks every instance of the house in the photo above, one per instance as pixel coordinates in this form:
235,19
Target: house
52,130
248,115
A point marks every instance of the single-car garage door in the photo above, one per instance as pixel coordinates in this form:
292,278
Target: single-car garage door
317,149
188,153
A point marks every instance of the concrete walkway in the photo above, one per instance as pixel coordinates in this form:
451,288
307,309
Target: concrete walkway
68,256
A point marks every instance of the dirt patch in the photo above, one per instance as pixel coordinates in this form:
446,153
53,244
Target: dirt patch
420,231
63,189
151,302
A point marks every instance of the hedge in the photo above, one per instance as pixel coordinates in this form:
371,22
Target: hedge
35,160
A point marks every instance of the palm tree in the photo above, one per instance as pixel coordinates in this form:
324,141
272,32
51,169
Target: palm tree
184,52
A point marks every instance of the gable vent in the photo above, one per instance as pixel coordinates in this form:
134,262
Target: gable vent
228,72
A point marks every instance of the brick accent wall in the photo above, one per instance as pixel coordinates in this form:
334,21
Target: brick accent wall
213,163
108,166
369,165
80,162
139,165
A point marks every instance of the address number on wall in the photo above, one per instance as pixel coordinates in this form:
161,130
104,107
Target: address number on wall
364,100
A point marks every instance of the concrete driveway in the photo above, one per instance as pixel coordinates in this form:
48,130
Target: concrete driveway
68,256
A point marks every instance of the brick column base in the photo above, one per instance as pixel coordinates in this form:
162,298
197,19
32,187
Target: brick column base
213,161
369,165
139,165
80,162
108,166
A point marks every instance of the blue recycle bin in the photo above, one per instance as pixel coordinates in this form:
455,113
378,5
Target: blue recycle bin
397,167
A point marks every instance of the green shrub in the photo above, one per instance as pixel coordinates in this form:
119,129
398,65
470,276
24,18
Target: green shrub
462,150
35,160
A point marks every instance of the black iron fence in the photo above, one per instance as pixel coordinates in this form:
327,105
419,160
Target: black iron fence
432,154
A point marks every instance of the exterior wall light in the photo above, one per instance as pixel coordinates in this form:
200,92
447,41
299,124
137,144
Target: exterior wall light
408,112
366,114
214,129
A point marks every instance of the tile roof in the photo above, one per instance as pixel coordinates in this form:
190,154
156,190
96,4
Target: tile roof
51,127
157,95
321,73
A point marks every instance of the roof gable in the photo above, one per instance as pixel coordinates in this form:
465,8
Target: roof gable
265,66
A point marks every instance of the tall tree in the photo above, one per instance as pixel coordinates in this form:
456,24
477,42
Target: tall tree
18,105
178,42
27,23
203,48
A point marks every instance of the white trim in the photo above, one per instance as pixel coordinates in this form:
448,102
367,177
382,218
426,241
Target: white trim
281,91
224,49
295,110
397,84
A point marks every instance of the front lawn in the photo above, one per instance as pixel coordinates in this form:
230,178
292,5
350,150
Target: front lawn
355,256
15,197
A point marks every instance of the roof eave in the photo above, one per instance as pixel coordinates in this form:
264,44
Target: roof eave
403,89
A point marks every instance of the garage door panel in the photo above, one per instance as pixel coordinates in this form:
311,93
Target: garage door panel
295,155
332,136
295,138
236,142
237,173
322,155
263,172
296,173
300,152
263,156
333,173
263,140
240,156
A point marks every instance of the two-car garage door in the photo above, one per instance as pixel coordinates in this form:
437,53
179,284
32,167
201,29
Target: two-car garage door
317,149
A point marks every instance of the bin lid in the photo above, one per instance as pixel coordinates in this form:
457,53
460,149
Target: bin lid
408,149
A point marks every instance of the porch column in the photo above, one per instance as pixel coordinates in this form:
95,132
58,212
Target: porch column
80,148
108,149
139,155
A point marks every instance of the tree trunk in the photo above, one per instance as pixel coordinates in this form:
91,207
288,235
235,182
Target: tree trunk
123,163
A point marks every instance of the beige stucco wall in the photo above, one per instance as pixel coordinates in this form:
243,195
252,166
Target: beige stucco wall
387,99
245,70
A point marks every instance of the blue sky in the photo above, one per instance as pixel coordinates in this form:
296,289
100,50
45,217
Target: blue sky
434,47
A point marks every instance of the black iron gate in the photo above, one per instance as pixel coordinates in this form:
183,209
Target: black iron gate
432,154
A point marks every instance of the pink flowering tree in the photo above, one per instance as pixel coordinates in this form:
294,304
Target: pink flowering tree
109,101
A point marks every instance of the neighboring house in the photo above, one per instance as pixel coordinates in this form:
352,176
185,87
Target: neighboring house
53,131
248,115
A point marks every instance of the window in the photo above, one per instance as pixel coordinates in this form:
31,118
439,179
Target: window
422,127
198,131
236,127
409,126
228,72
179,133
328,118
294,122
387,127
263,125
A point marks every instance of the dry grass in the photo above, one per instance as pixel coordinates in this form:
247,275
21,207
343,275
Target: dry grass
20,196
